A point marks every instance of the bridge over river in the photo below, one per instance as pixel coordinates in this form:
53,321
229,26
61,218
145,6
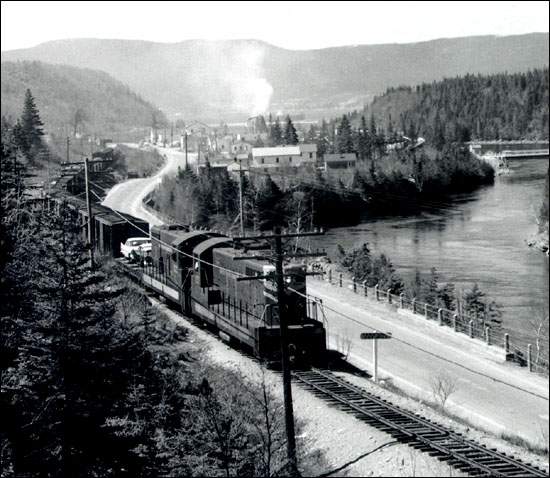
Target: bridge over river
498,153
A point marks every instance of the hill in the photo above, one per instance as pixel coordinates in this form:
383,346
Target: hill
486,107
71,98
229,79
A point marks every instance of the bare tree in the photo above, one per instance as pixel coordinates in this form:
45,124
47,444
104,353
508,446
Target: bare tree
343,345
538,322
443,385
269,426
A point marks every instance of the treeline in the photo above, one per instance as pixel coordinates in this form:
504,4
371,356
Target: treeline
396,182
95,382
373,269
211,200
472,107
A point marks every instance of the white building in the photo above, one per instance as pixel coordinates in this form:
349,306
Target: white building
284,156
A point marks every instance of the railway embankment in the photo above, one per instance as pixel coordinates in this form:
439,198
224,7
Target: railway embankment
342,437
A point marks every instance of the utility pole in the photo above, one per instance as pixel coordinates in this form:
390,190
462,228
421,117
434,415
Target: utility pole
287,386
186,163
90,218
278,256
68,142
241,212
171,134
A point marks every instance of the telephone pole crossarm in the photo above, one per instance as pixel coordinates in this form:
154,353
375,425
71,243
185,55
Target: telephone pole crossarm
268,276
284,236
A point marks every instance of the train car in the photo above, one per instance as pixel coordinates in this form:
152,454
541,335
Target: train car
109,228
199,270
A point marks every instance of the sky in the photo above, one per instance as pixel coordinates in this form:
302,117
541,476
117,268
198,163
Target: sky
292,25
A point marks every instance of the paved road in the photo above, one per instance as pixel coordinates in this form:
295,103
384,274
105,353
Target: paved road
128,196
482,400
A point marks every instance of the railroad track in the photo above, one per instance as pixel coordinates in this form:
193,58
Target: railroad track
419,432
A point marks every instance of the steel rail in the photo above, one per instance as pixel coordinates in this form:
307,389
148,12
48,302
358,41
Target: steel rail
415,430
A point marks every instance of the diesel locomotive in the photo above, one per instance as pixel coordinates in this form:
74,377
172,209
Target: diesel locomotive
199,270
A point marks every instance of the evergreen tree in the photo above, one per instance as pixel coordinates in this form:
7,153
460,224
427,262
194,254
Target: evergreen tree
363,145
344,139
290,135
31,125
323,140
268,205
275,133
311,135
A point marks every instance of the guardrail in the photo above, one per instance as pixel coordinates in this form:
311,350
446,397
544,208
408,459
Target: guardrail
534,360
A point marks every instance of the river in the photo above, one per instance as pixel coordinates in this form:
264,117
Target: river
474,237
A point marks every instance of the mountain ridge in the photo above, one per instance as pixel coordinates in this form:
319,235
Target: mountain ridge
222,79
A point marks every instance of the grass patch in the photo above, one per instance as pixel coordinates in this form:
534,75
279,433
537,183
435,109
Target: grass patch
522,443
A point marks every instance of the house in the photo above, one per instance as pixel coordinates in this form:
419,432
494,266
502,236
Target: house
309,151
284,156
241,147
339,161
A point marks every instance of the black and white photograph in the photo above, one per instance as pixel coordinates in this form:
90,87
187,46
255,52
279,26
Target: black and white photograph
274,239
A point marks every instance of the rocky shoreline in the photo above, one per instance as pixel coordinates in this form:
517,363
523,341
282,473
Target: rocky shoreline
540,242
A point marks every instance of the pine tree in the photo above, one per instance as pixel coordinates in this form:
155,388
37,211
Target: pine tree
363,146
323,141
344,139
290,136
31,125
268,205
275,133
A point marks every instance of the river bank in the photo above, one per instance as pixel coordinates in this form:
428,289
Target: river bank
473,237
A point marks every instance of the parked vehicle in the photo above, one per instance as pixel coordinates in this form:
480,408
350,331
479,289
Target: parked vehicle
135,244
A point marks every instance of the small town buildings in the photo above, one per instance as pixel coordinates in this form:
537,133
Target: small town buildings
339,161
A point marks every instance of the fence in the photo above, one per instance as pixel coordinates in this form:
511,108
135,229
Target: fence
535,361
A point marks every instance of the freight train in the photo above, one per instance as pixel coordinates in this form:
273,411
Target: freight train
199,271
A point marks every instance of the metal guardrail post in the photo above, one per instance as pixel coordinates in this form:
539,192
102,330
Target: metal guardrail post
440,316
488,335
389,296
376,293
471,329
455,322
426,310
401,299
340,280
413,302
529,357
354,285
507,343
365,288
330,276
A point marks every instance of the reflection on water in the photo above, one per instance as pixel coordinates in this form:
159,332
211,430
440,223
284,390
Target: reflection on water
474,237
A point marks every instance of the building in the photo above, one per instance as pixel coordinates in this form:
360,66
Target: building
339,161
284,156
241,147
309,151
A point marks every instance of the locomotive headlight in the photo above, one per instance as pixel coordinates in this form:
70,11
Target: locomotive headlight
288,280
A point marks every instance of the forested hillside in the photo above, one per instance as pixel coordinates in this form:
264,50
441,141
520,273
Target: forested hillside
74,99
503,106
233,78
